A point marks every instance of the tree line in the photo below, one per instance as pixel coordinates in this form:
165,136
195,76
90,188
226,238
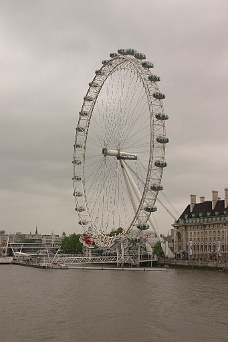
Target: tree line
72,245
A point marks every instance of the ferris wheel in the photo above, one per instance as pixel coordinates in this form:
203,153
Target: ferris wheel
119,149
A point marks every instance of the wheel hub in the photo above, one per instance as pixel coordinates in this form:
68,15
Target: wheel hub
119,155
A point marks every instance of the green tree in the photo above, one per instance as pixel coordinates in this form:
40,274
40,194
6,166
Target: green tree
158,250
71,244
116,232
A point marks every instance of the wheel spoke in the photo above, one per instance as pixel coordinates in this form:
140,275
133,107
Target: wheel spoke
119,124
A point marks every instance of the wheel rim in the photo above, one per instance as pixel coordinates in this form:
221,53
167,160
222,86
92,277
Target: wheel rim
119,115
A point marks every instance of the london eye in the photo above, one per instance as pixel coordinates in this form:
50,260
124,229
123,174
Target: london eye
119,148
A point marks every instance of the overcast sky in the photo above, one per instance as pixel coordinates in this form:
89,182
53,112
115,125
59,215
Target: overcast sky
49,52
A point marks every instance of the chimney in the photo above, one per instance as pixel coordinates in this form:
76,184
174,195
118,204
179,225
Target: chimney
192,202
214,198
226,198
202,199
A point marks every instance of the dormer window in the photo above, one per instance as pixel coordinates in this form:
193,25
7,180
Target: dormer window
193,215
200,214
208,214
216,213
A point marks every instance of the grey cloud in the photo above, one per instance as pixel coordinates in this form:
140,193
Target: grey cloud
50,51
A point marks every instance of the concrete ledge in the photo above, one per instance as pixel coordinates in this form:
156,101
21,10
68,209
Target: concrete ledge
202,265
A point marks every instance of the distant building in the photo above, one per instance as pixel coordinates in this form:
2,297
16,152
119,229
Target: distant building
201,232
18,237
169,240
52,240
3,235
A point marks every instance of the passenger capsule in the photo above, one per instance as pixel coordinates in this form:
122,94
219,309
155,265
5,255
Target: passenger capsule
83,113
122,51
80,209
150,209
158,95
160,163
76,162
78,145
94,84
77,193
162,140
76,178
88,98
83,222
156,187
147,64
143,226
104,61
131,52
80,129
140,55
134,240
154,78
114,54
161,116
99,72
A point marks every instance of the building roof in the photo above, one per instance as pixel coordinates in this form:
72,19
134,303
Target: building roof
203,209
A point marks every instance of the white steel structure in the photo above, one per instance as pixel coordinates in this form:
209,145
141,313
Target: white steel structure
119,150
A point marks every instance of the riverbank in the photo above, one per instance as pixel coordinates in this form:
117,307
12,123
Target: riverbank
161,264
193,264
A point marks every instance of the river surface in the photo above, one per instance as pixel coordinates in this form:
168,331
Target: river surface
111,306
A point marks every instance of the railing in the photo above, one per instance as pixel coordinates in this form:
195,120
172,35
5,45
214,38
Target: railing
83,259
98,259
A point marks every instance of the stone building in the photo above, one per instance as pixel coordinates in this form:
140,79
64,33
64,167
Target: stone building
52,240
201,232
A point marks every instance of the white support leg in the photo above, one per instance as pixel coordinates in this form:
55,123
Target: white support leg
132,186
139,250
117,255
128,184
122,253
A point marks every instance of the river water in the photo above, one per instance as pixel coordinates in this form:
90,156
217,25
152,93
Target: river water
112,306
